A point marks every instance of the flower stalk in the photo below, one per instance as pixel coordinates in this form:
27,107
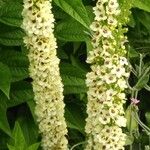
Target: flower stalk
107,80
38,23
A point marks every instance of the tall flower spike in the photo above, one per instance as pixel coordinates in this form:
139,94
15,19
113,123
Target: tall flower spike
38,23
107,80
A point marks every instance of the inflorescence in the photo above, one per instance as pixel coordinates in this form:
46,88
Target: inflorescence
38,23
107,80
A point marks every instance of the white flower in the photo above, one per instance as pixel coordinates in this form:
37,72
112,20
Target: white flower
95,42
121,96
123,61
113,4
109,94
108,63
118,71
99,13
121,121
101,2
106,32
95,26
122,83
104,117
113,112
112,11
112,21
110,79
107,45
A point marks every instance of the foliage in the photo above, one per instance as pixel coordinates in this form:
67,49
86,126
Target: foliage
18,127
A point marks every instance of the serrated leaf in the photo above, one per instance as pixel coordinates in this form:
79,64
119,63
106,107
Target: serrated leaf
5,79
142,4
20,92
75,9
91,15
18,140
75,118
31,105
144,18
70,70
73,79
17,63
133,53
3,117
132,21
10,14
29,127
71,30
74,89
11,36
11,147
34,146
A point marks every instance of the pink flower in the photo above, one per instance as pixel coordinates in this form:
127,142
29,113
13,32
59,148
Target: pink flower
134,101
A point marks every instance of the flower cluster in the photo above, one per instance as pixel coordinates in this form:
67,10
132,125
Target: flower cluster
107,80
38,23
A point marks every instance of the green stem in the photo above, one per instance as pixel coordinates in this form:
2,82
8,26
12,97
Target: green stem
147,129
140,65
134,94
77,145
149,140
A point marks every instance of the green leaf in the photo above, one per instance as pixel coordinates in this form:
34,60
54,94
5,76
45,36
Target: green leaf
5,79
3,117
11,147
74,117
89,46
147,115
10,14
20,92
70,70
71,30
29,127
75,9
132,124
132,53
62,54
3,140
143,79
91,15
34,146
18,141
144,18
142,4
132,21
17,62
129,139
142,82
73,79
74,89
11,36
